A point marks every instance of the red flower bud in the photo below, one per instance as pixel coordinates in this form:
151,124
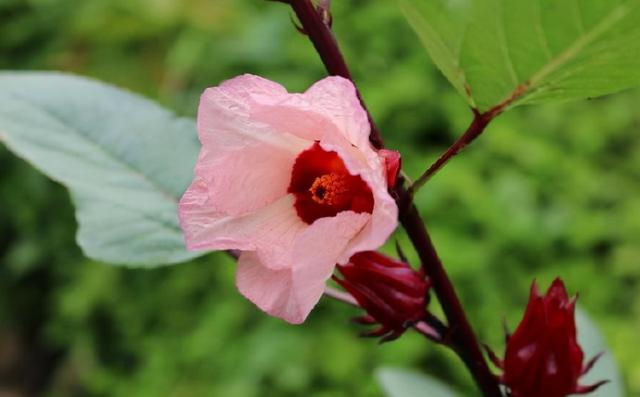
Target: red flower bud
392,162
393,294
543,357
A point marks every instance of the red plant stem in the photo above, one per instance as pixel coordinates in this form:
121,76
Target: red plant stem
477,127
462,337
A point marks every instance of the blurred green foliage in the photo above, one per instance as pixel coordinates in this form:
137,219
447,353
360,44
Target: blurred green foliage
551,190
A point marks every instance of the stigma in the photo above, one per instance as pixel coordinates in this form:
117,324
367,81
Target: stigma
330,189
323,186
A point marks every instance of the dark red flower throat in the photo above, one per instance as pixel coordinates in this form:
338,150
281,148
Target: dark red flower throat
323,186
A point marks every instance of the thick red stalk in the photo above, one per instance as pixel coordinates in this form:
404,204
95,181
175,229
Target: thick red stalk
477,126
462,337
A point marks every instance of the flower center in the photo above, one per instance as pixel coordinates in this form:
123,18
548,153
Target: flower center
323,186
330,189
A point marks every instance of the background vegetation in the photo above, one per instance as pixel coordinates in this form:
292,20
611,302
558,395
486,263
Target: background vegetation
548,191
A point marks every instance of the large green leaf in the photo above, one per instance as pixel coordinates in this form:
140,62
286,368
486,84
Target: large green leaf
125,160
537,50
404,383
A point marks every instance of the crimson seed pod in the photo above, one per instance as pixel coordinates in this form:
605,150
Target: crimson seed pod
543,357
393,294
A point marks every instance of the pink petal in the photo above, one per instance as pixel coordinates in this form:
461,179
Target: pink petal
243,180
291,293
271,290
319,248
244,163
329,107
224,114
335,98
270,231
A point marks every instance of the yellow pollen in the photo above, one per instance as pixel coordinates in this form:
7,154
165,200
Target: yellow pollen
330,189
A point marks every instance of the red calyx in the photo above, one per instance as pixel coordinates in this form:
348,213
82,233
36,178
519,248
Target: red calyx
324,187
543,357
393,162
393,294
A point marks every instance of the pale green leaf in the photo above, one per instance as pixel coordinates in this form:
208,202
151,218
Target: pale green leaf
398,382
605,368
537,50
125,160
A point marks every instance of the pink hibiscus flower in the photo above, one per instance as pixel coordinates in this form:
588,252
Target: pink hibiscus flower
292,182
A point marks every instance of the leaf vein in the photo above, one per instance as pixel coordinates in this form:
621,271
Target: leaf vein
574,49
504,45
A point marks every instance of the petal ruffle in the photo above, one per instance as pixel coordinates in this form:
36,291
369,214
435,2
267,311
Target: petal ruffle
224,115
244,163
244,180
329,107
292,293
270,231
336,98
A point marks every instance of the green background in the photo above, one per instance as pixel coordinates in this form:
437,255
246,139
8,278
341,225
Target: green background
550,190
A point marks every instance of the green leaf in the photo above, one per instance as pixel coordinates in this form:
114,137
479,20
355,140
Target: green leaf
530,51
125,160
403,383
440,27
605,368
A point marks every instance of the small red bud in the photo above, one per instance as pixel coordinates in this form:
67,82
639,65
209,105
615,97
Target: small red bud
543,357
393,162
393,294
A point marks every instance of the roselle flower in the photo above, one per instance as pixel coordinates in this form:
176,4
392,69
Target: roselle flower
289,180
393,294
543,357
